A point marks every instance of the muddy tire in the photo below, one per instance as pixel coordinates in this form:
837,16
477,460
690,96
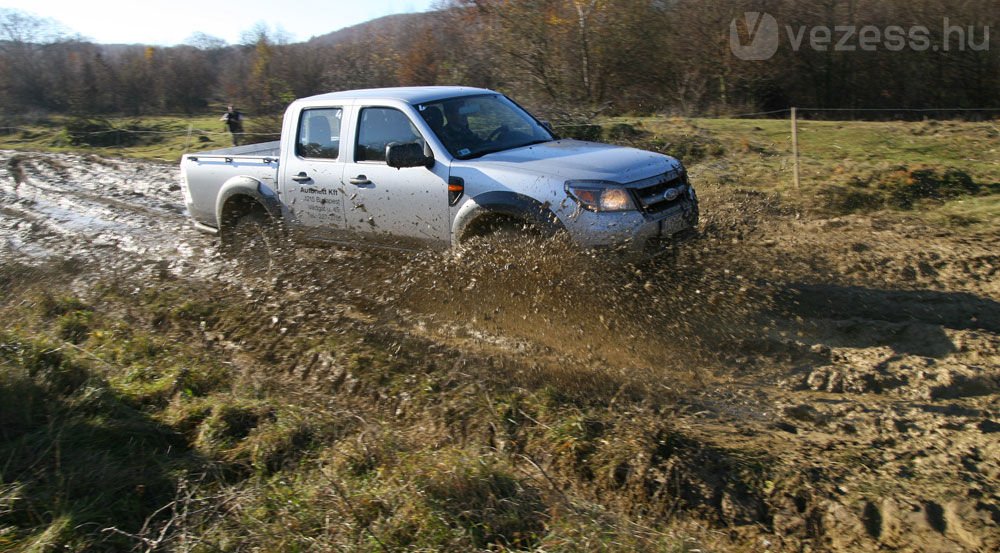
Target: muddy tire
501,235
254,241
509,241
510,230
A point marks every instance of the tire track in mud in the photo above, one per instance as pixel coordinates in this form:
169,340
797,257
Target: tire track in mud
82,206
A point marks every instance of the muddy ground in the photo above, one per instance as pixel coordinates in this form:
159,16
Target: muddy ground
856,359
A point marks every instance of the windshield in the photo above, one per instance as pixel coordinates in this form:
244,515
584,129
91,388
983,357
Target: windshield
473,126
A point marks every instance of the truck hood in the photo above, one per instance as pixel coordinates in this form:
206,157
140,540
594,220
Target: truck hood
577,160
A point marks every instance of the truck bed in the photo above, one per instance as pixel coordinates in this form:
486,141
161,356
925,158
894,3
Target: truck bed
205,173
262,149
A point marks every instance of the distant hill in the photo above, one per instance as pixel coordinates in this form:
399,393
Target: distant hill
389,25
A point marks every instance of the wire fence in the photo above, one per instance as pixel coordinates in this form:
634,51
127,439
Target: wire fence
121,138
891,113
36,130
195,138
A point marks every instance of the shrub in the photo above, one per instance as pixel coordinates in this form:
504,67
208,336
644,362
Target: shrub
905,187
623,132
899,187
98,132
591,133
689,148
846,199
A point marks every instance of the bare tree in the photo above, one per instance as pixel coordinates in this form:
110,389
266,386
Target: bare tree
570,57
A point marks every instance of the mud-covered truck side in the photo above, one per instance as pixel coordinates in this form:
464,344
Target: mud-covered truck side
434,166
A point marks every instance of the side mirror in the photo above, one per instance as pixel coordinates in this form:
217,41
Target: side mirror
410,154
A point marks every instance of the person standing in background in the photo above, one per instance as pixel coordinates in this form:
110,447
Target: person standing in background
234,121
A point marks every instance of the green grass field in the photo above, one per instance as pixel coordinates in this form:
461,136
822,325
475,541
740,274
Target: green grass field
838,158
973,146
157,138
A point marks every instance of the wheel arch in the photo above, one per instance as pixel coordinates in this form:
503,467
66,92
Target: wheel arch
242,195
480,213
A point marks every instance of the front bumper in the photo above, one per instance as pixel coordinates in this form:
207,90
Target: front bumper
632,230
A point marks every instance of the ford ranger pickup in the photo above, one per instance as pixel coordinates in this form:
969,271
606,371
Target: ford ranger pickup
434,167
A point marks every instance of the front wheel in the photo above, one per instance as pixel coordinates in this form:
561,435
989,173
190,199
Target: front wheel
508,238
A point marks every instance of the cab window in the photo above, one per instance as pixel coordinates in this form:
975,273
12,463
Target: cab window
379,127
319,133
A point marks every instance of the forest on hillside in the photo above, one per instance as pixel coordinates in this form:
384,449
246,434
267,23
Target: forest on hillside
566,58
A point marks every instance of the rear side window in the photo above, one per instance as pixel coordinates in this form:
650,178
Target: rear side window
380,127
319,133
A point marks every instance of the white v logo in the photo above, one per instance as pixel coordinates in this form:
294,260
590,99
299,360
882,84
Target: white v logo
763,33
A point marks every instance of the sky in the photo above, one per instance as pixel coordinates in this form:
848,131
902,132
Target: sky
170,22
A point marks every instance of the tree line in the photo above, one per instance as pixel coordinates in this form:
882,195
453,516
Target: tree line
565,58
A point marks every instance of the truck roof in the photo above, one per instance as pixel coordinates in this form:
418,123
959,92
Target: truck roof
408,94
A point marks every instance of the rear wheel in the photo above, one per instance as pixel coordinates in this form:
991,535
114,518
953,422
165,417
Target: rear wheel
254,241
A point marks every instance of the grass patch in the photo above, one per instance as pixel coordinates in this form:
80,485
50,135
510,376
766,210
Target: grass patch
900,188
485,499
846,166
76,456
161,138
145,412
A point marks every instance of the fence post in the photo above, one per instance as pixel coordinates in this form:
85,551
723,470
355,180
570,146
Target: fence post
795,145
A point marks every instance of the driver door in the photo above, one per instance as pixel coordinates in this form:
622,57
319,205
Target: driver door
403,207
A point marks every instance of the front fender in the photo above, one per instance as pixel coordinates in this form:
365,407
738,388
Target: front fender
504,203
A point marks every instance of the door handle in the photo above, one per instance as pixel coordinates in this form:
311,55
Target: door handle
302,177
360,180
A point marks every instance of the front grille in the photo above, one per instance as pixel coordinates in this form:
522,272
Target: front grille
654,198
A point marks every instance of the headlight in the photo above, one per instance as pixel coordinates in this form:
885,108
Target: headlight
600,196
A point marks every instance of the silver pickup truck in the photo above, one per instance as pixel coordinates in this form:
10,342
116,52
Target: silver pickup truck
434,166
